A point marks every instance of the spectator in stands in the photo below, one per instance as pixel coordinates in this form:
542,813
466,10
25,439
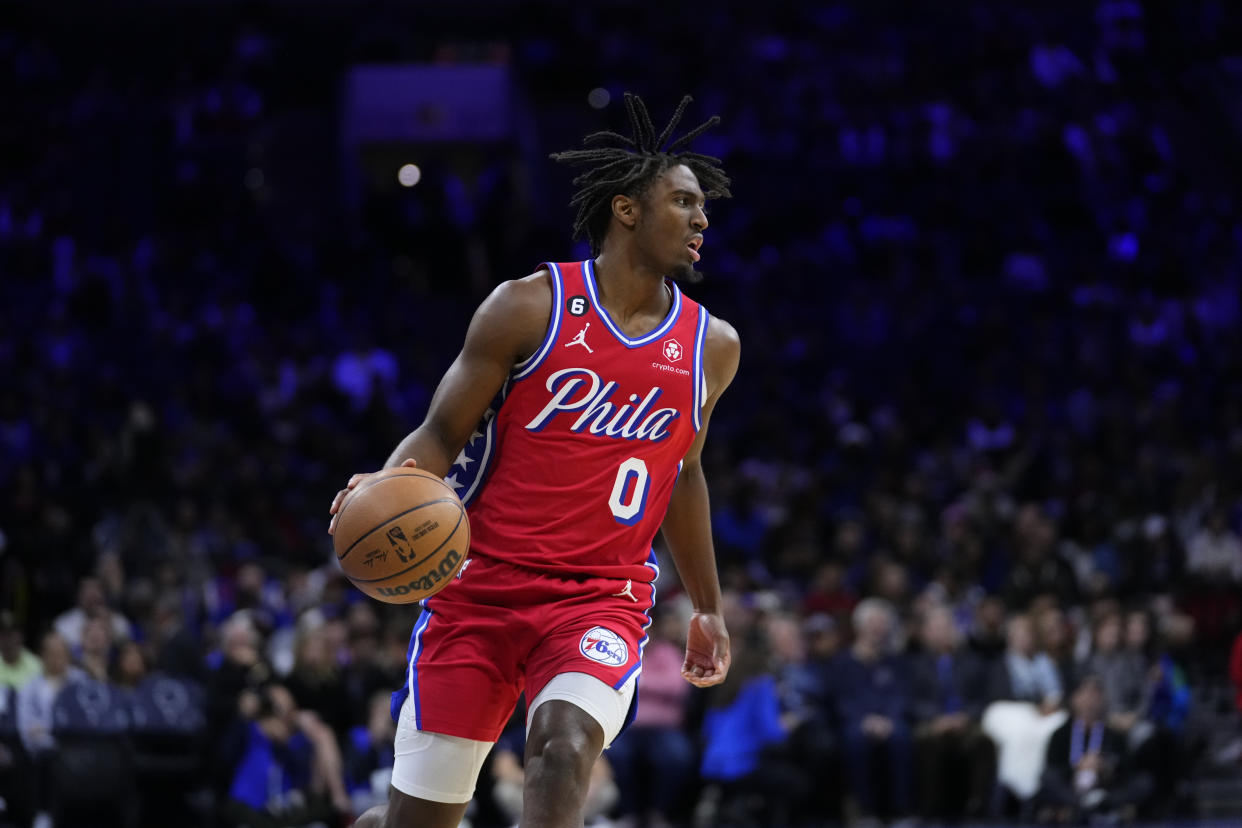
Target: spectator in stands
1214,554
250,589
71,624
829,594
34,712
807,757
1025,674
653,760
129,667
948,687
1122,674
316,681
34,701
236,666
366,670
288,769
743,729
95,652
873,706
17,664
1087,768
807,683
177,650
1055,637
987,630
369,755
1038,568
808,690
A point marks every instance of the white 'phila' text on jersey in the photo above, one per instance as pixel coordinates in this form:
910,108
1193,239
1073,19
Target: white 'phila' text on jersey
581,389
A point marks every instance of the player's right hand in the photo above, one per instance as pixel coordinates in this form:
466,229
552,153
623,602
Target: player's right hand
343,494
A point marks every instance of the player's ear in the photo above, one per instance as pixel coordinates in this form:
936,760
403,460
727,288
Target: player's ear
625,210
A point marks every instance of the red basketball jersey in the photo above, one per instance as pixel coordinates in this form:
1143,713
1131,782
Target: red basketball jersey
572,469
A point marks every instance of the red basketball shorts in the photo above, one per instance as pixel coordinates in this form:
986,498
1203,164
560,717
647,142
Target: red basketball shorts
499,629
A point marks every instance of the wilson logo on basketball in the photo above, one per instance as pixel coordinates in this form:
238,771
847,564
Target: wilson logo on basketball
428,581
672,350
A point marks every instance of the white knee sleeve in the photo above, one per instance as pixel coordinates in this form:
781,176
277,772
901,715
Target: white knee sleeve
435,766
607,706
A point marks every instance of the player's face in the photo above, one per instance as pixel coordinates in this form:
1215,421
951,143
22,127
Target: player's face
672,222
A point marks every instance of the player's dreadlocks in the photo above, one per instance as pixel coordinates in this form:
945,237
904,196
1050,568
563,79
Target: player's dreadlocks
627,166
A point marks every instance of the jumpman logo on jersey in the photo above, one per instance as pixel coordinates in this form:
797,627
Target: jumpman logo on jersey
628,592
580,339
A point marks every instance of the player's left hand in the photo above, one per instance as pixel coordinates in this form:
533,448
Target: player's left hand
707,650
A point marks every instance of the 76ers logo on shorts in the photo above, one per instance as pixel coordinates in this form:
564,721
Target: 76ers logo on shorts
605,646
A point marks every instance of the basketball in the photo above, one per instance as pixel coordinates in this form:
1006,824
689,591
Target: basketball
402,535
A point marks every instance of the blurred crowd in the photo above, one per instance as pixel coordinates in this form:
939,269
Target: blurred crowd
976,492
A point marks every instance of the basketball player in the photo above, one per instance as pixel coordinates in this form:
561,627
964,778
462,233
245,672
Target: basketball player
572,426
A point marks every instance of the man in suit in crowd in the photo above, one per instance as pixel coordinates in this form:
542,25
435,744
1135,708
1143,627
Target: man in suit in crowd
1087,770
948,690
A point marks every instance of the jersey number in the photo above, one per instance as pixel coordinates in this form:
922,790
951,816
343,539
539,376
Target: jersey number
629,510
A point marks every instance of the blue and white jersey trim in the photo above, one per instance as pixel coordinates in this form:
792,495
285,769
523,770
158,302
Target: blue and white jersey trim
417,649
524,368
469,471
675,311
699,379
410,689
653,563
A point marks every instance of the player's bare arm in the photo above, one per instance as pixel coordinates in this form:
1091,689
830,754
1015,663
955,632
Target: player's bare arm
507,327
687,525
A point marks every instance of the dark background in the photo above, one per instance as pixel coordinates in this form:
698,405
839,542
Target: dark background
984,260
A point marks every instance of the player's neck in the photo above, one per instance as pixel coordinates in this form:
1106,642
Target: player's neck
628,287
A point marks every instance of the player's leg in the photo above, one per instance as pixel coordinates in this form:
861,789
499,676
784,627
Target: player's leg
433,777
410,812
463,679
571,720
563,745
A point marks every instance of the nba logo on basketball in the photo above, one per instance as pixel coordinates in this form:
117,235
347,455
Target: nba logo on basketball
672,350
604,646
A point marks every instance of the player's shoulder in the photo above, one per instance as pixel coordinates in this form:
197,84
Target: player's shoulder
517,312
526,301
722,350
533,291
722,338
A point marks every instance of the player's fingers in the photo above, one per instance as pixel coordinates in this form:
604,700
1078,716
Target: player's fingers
336,501
702,680
409,463
355,480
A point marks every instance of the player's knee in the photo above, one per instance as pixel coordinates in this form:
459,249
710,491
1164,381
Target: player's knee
567,753
373,818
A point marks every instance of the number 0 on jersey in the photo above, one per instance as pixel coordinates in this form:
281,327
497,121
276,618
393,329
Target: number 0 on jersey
632,480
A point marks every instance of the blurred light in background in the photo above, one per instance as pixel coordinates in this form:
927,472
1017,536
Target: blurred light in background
598,97
409,175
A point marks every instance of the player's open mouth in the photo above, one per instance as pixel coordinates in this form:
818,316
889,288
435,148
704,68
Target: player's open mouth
693,246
